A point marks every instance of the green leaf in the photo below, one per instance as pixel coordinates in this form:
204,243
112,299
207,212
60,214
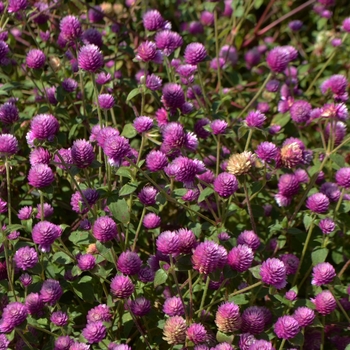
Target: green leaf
295,231
62,258
184,263
258,3
120,211
319,256
242,131
307,221
298,339
222,338
124,172
239,299
129,131
84,291
79,237
281,119
239,11
132,94
338,160
160,277
14,227
205,193
128,189
209,6
256,271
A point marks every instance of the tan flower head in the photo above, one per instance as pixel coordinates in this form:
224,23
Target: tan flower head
291,155
240,163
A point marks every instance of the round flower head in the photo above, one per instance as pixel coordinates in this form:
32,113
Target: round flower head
151,221
327,226
346,24
148,195
252,58
63,343
90,58
173,307
266,151
342,177
82,153
25,213
282,200
325,302
121,287
35,59
250,239
187,240
318,203
156,161
168,41
34,303
39,155
261,345
103,78
9,113
153,20
273,272
64,160
116,148
291,262
300,111
129,263
12,316
153,82
99,313
196,333
253,320
304,316
278,58
291,295
323,273
227,317
59,318
104,229
195,53
51,291
272,85
44,127
70,28
240,258
255,119
288,185
113,346
26,280
174,331
4,50
229,54
173,96
291,155
218,126
286,327
195,28
225,184
338,132
147,51
79,346
26,258
208,256
140,306
106,101
143,124
295,25
94,332
81,205
86,262
240,163
8,145
337,84
168,242
146,274
40,175
246,340
331,190
95,14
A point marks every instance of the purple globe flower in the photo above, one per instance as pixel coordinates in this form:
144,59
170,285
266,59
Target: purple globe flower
86,262
102,134
218,126
250,239
331,190
82,153
240,258
35,59
99,313
255,119
168,41
116,148
26,258
291,295
153,20
51,291
225,184
229,54
337,84
291,262
272,85
106,101
79,346
59,318
4,50
78,203
65,160
288,185
26,281
304,316
253,320
252,57
168,242
173,307
45,233
196,333
8,145
129,263
156,161
70,28
246,340
323,273
95,14
140,306
267,151
346,24
12,316
318,203
103,78
261,345
143,124
121,287
228,318
104,229
9,113
114,346
195,53
209,256
342,177
327,226
188,240
40,175
92,36
273,272
153,82
146,274
286,327
325,302
39,155
94,332
148,195
63,343
295,25
44,127
147,51
338,132
90,58
195,28
173,96
34,303
151,221
69,85
300,111
278,58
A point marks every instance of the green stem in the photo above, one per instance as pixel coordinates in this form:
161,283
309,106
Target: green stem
194,284
204,294
217,47
250,133
138,228
190,289
339,304
42,206
250,212
218,156
338,203
141,148
8,185
282,344
208,105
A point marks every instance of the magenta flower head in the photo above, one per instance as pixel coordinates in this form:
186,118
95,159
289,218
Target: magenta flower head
346,24
288,185
331,190
40,176
44,127
104,229
51,291
156,161
12,316
143,124
34,303
153,82
147,51
168,41
228,318
106,101
63,343
327,226
229,54
278,58
26,258
300,111
342,177
255,119
338,132
250,239
295,25
9,113
304,316
325,302
116,148
79,204
148,195
291,295
272,85
246,340
65,161
261,345
173,307
188,240
95,14
218,126
8,145
225,184
151,221
153,20
129,263
39,155
99,313
240,258
94,332
322,273
318,203
114,346
90,58
196,333
168,242
140,306
45,233
337,84
253,320
208,256
273,272
266,151
291,262
173,96
286,327
121,287
103,78
70,28
59,318
174,331
26,280
195,53
4,50
35,59
82,153
86,262
252,57
92,36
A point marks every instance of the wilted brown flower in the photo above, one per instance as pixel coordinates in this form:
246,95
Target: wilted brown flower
240,163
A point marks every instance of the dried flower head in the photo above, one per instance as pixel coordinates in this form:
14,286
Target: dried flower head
174,331
240,163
